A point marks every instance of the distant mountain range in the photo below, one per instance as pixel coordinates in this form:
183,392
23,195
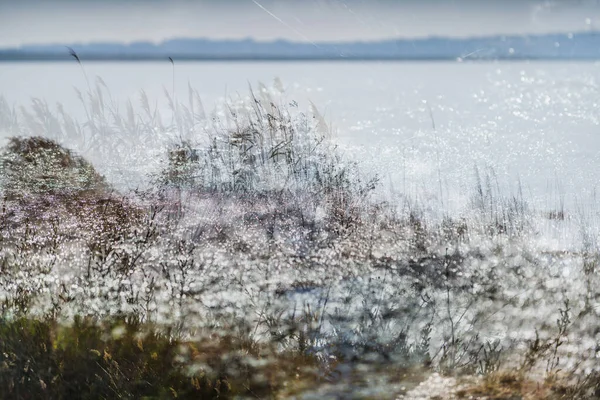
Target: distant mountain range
578,46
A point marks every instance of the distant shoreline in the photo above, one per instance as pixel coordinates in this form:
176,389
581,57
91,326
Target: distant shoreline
6,58
579,46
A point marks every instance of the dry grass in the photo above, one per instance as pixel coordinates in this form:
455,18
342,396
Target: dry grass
505,386
508,385
122,358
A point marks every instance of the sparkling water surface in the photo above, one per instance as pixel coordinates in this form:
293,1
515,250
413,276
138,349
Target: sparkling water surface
423,127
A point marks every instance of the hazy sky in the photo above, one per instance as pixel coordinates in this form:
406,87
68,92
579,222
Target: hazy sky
75,21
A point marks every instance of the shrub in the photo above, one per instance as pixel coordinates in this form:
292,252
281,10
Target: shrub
121,358
267,150
40,166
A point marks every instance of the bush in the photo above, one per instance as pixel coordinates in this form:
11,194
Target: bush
265,149
40,166
121,358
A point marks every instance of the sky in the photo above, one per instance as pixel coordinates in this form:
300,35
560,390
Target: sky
83,21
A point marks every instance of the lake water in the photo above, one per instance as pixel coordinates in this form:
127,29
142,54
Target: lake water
415,124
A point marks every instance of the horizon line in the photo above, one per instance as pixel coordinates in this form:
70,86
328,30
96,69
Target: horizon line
567,34
55,57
